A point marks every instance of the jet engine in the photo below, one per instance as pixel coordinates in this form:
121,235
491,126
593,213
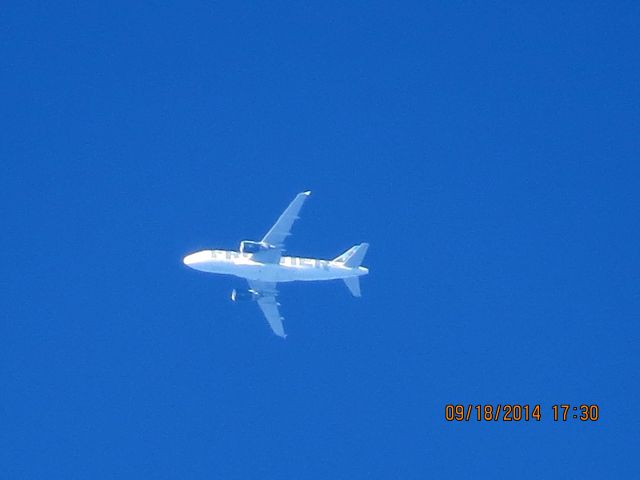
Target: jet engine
247,246
244,295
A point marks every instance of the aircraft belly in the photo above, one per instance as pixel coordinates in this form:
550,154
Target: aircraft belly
278,274
283,273
265,273
210,267
311,274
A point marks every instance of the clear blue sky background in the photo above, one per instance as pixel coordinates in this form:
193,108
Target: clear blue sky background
488,151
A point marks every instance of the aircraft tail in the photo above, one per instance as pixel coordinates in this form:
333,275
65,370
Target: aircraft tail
353,257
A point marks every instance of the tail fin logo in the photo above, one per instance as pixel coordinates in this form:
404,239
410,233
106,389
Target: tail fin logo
353,257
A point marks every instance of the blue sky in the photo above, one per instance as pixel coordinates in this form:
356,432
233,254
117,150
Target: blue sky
487,151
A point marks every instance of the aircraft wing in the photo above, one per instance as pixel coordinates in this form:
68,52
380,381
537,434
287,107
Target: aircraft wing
267,302
281,230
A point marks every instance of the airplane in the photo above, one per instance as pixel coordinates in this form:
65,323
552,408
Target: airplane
264,266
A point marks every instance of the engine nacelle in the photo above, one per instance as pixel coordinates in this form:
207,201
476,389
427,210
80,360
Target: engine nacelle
247,246
241,295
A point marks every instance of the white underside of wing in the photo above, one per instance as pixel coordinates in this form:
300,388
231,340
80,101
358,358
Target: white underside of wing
269,305
281,230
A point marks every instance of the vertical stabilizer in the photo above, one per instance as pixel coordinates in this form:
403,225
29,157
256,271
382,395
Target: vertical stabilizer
353,284
353,257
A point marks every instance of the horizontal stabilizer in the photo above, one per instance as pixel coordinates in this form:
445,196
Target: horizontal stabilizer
353,284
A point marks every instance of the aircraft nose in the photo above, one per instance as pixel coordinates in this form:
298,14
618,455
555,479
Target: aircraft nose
197,258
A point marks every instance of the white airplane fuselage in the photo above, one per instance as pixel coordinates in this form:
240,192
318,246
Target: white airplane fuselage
289,269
